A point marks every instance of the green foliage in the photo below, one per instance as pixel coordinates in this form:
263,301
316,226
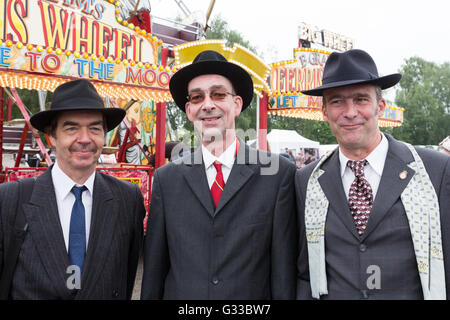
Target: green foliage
29,99
425,95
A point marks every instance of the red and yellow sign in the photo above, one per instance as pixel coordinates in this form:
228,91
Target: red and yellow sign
65,39
304,72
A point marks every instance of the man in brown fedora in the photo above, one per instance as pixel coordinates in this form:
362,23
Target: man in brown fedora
374,213
78,231
222,219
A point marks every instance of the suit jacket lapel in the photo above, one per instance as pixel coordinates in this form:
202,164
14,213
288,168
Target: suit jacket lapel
195,177
331,183
391,185
45,228
104,218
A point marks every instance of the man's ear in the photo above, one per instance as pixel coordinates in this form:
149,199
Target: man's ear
52,139
381,107
324,113
188,111
238,105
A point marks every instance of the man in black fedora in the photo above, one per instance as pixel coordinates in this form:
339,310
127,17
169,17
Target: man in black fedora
80,230
222,219
374,213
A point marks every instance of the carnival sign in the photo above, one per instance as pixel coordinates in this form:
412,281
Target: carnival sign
288,78
78,39
304,72
324,37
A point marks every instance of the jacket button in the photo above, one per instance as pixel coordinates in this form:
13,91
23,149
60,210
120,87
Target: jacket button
215,281
362,247
115,293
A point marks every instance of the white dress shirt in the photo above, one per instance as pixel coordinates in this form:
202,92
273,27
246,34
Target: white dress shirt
226,159
65,200
372,171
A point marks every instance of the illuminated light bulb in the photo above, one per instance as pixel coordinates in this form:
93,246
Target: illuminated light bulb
49,50
19,45
58,51
85,55
39,48
110,59
140,64
9,43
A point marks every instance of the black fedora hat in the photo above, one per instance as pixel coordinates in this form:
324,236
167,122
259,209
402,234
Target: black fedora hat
77,95
352,67
211,62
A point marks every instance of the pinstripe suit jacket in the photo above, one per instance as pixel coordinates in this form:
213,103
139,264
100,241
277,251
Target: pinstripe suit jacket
385,250
114,241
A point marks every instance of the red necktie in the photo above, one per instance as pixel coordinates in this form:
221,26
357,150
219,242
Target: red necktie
360,197
218,184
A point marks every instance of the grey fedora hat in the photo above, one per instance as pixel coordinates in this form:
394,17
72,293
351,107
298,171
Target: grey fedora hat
77,95
354,66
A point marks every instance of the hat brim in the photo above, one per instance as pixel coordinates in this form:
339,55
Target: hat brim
113,117
383,82
239,78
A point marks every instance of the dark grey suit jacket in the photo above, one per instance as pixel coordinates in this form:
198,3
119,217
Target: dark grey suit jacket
387,241
243,249
113,249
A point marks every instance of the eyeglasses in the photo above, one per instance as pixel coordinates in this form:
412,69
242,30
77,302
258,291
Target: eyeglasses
217,95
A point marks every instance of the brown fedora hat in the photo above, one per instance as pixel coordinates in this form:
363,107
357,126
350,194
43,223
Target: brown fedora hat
77,95
352,67
211,62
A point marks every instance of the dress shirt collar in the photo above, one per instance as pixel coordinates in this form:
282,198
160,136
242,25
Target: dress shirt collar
226,158
376,158
63,183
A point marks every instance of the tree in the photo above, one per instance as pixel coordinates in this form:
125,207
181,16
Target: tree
425,95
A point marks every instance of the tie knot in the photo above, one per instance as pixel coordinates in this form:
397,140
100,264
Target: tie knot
357,166
218,166
77,191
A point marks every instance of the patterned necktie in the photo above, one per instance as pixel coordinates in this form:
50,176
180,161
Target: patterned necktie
77,233
360,197
218,184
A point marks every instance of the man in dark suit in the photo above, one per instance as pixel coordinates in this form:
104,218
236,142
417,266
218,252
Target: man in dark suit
222,219
83,228
374,213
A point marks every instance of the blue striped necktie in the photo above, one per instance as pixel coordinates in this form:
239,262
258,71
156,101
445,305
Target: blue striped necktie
77,233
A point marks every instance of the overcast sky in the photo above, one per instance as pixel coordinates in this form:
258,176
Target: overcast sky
389,30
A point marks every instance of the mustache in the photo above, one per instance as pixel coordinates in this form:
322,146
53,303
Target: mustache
83,147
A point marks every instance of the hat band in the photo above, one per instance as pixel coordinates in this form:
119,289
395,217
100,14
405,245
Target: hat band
350,76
